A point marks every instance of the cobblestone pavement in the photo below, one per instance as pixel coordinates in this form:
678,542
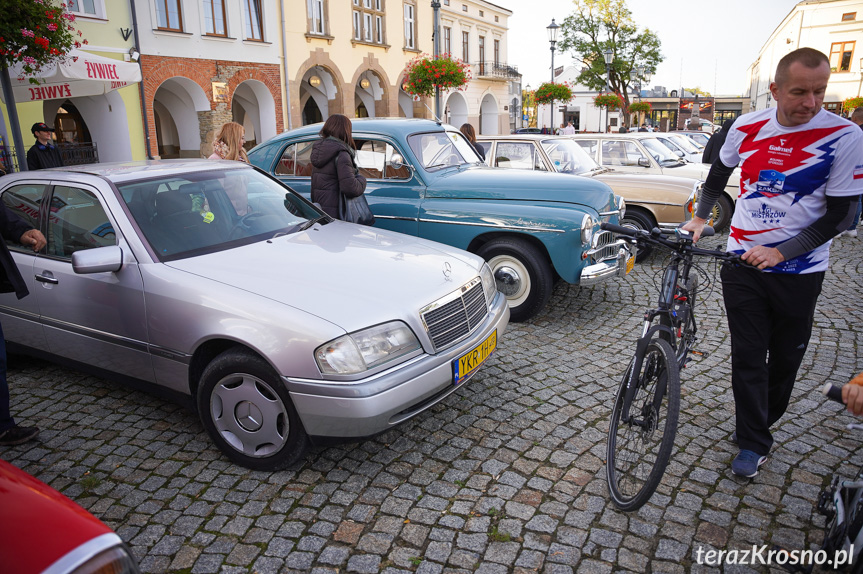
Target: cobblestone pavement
506,475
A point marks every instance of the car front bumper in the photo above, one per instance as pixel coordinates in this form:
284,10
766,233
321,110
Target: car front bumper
369,407
610,268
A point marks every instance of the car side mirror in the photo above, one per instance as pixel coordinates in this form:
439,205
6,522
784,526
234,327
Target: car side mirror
397,162
98,260
643,162
678,152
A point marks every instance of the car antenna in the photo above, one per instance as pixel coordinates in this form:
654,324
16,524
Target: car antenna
437,119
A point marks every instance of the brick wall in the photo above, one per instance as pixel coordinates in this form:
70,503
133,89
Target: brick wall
157,69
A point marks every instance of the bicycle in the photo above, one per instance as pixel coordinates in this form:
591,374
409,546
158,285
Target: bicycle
644,418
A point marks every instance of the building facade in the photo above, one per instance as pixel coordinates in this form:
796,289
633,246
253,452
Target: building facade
205,63
830,26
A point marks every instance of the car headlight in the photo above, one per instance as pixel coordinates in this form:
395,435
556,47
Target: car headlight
621,205
489,285
366,349
586,229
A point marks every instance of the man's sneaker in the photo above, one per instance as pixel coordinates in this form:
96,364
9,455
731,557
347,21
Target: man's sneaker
746,463
850,232
17,435
734,437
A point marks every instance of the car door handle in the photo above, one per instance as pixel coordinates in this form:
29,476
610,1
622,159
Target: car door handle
44,279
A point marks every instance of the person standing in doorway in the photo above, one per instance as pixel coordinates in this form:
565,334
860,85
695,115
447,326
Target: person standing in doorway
44,153
798,185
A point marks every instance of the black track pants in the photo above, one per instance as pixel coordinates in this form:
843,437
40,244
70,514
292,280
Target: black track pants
770,320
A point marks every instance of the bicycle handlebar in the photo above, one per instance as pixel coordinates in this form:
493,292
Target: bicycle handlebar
832,392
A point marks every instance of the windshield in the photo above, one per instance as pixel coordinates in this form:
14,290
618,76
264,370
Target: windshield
687,144
659,152
188,214
568,157
442,149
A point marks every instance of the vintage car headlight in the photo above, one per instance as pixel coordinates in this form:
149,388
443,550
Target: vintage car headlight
116,560
621,205
489,285
366,349
586,229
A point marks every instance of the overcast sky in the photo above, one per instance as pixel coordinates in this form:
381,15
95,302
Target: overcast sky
708,44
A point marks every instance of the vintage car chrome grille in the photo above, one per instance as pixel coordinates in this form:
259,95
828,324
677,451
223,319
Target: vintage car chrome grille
453,317
601,239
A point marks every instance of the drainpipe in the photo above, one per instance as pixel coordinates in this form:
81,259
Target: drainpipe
141,83
285,62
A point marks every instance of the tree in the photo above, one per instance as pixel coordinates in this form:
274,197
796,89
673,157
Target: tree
597,25
529,106
697,90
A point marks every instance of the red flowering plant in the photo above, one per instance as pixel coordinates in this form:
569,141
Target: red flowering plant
639,107
36,33
851,104
609,101
551,92
424,73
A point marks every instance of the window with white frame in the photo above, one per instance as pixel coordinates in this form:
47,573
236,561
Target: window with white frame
254,20
465,46
168,15
317,18
447,40
91,8
214,18
368,19
410,26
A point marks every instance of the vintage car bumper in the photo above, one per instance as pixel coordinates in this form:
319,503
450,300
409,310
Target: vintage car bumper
610,268
375,405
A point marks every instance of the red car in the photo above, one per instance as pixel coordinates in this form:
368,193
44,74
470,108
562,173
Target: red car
43,531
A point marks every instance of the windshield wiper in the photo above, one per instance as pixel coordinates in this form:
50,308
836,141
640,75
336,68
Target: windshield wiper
323,220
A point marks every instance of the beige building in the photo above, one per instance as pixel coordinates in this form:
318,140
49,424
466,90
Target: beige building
349,57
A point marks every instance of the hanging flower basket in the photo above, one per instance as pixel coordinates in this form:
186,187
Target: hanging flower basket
424,73
609,101
638,107
850,104
47,36
550,92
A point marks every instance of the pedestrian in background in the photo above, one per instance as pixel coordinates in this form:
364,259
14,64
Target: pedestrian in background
857,118
714,144
469,133
44,153
334,158
784,221
228,144
13,228
569,129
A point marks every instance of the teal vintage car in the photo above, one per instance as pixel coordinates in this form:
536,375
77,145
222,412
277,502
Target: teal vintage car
425,179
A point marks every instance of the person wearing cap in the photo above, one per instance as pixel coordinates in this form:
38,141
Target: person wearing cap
44,153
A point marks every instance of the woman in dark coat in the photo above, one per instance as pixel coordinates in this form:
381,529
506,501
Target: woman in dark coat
334,160
714,144
470,133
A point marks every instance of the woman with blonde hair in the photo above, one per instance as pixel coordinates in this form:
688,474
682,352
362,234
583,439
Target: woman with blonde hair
228,143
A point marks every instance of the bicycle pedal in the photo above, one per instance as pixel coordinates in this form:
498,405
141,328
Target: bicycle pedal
700,354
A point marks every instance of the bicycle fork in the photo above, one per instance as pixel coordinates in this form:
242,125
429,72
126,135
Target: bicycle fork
633,379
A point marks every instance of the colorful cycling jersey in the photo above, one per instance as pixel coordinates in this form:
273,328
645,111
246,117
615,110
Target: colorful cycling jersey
786,173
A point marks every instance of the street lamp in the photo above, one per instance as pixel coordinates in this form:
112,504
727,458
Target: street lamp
609,58
552,39
436,47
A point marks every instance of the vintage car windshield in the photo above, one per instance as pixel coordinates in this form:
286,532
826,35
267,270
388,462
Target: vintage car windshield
660,153
187,214
687,144
568,157
437,150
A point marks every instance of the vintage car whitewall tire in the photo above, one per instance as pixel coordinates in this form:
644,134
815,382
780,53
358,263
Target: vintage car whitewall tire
248,412
522,274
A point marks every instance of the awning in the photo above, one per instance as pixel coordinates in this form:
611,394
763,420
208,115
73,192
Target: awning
81,74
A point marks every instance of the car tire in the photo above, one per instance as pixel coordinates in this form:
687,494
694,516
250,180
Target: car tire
523,274
635,219
722,212
248,412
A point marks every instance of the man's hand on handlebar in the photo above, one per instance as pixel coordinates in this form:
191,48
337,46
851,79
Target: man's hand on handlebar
852,395
762,256
695,226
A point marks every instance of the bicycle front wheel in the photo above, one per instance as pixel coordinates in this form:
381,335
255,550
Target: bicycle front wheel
639,449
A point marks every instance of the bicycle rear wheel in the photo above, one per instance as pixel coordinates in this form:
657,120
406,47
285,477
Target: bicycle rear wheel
639,450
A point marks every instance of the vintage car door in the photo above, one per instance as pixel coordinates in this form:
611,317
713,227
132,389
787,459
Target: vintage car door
394,194
95,318
20,317
518,155
294,167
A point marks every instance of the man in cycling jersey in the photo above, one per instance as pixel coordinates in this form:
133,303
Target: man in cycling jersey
801,167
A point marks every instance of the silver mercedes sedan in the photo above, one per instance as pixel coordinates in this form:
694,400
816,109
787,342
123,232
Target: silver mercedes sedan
216,283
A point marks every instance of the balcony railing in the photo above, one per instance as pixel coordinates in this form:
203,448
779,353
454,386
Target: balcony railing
497,70
78,154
